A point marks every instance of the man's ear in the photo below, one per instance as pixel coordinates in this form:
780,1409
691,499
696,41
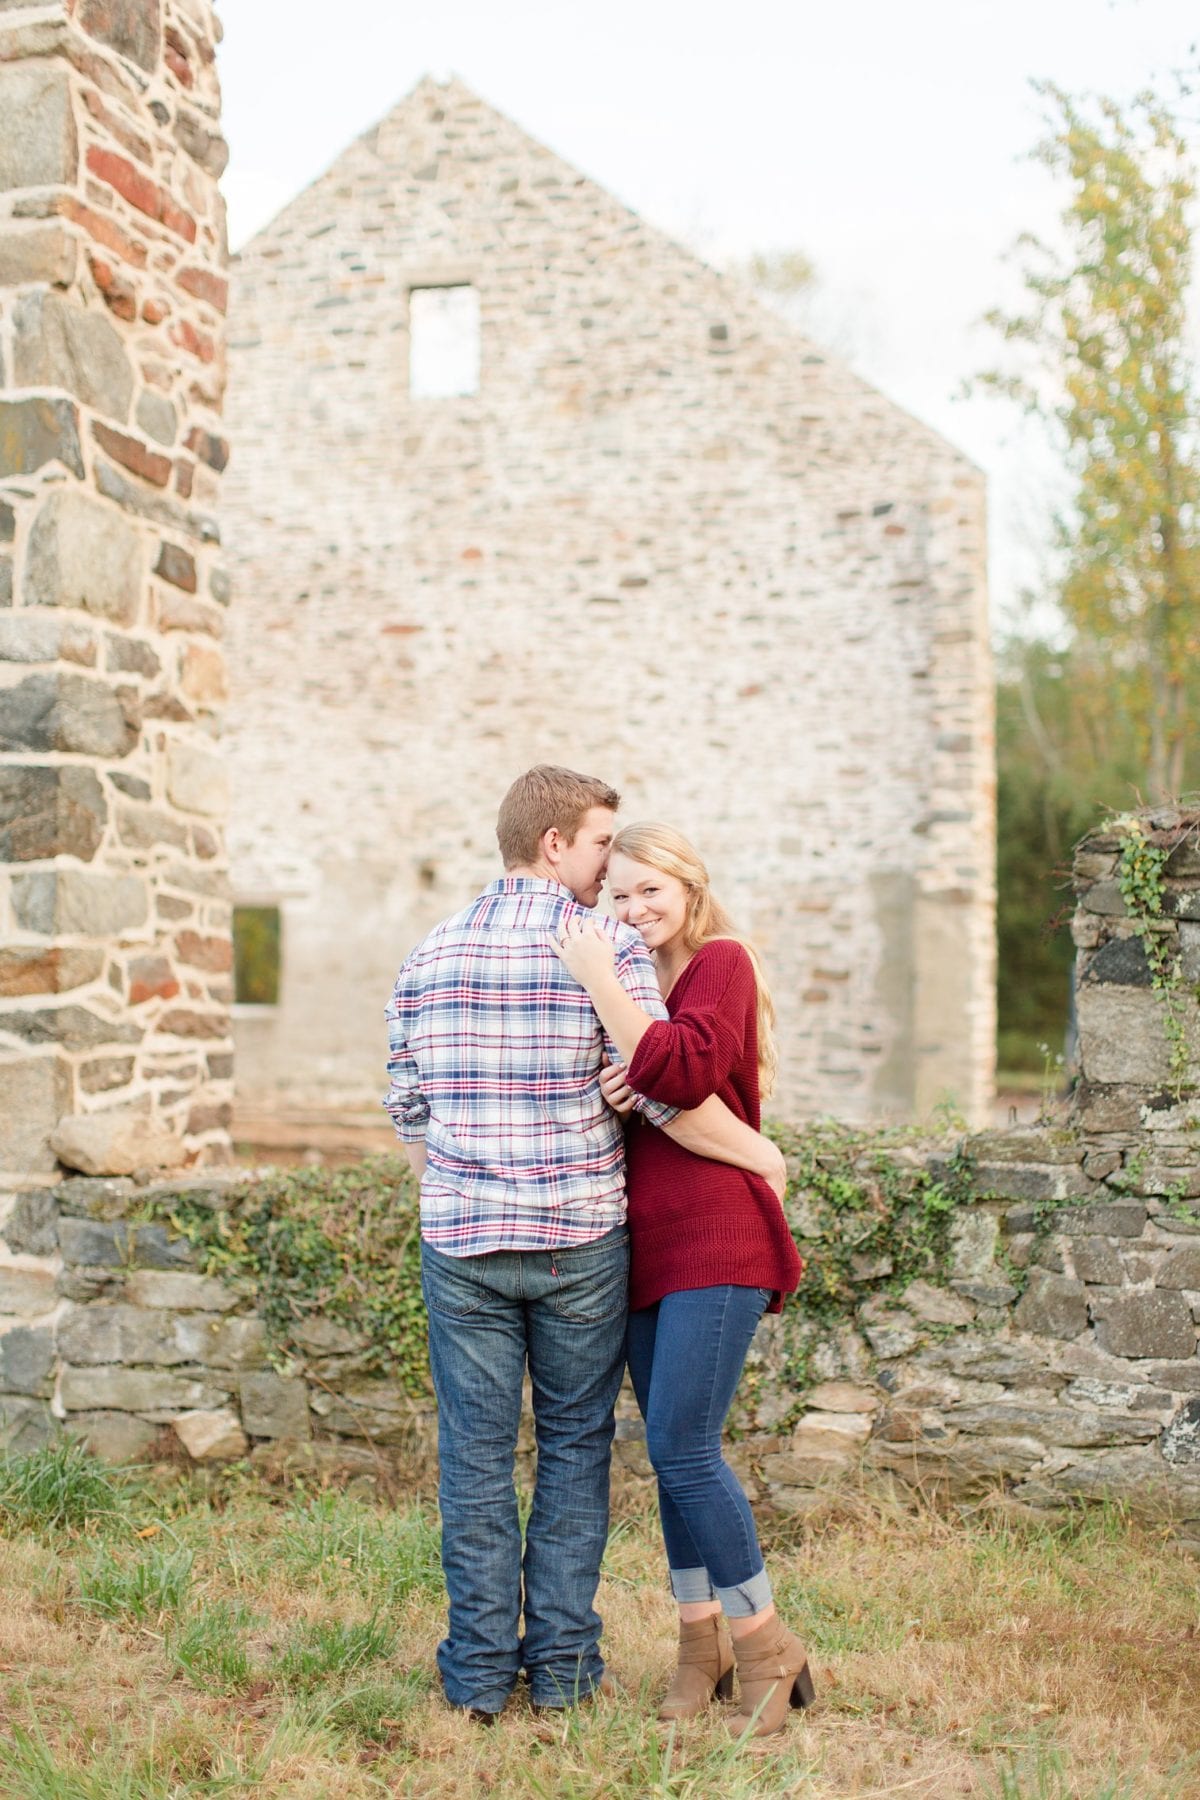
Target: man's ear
553,844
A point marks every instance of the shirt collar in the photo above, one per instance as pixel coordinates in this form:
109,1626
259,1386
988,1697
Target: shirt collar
531,884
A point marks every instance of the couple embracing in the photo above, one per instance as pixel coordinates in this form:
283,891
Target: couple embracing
579,1099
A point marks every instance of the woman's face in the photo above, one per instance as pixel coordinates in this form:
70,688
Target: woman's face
653,903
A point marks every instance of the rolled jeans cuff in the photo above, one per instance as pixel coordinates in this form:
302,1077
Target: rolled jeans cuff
747,1597
691,1586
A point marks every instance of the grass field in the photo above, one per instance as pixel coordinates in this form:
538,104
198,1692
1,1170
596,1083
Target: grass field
162,1638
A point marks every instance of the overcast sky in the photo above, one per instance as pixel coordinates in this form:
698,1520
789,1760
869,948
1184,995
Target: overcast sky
885,140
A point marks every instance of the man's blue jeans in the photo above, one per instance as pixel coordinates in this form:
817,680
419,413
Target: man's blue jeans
562,1314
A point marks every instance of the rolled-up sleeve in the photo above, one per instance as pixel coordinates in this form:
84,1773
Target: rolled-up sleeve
681,1061
404,1101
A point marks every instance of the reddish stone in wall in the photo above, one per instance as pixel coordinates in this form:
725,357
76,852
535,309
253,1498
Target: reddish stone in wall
130,27
205,285
151,465
140,191
151,978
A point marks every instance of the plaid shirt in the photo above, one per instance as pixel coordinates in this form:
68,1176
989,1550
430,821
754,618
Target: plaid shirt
494,1060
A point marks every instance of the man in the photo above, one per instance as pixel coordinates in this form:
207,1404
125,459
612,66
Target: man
495,1053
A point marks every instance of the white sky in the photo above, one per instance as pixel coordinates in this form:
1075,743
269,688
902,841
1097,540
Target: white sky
885,138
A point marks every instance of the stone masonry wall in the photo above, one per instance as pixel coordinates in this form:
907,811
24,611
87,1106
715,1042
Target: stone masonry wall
667,541
115,1046
1056,1359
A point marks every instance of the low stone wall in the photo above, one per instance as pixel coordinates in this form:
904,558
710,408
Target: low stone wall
1057,1361
1050,1355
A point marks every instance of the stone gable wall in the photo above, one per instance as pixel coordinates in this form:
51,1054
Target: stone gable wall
114,914
1055,1360
668,541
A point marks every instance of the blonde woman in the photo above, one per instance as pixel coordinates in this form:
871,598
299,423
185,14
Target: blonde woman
710,1252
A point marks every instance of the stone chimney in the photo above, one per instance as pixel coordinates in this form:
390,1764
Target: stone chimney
115,954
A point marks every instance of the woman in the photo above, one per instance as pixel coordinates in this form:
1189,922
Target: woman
710,1252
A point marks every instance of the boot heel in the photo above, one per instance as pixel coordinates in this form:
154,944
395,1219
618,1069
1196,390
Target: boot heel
724,1687
803,1692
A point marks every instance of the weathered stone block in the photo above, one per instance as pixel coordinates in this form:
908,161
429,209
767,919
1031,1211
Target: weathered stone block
211,1436
50,812
136,1390
1121,961
966,1467
27,1361
157,417
35,432
25,1426
181,1292
1021,1181
45,253
48,970
1031,1145
70,1027
36,1091
84,554
844,1397
1069,1426
1114,1218
130,27
1121,1034
891,1334
115,1437
1182,1268
1052,1306
1140,1325
177,566
937,1306
974,1235
275,1407
38,147
31,1228
227,1343
197,780
1096,1260
66,712
58,343
93,1244
1156,1180
79,902
26,1292
1181,1440
375,1409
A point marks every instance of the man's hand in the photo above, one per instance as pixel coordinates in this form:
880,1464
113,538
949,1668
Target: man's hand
588,954
616,1089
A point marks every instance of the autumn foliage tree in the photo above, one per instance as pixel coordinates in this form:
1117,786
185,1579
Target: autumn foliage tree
1106,361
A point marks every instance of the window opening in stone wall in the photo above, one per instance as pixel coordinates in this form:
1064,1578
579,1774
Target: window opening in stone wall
256,955
443,333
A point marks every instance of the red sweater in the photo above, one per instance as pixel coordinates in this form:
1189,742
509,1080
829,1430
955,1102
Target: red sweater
692,1222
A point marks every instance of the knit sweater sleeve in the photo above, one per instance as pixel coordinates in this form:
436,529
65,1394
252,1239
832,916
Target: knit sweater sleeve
685,1059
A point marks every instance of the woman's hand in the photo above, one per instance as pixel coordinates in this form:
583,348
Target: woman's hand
616,1089
774,1169
588,954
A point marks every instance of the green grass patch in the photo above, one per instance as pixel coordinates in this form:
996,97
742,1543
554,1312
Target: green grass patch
57,1487
331,1648
141,1586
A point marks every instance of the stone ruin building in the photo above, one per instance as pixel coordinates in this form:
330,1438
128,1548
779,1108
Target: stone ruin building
516,479
115,982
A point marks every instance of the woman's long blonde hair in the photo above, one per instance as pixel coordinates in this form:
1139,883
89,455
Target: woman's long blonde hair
661,847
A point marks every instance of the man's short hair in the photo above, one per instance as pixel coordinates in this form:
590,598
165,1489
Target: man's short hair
543,797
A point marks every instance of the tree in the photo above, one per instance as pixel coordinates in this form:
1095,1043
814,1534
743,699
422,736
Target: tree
1109,368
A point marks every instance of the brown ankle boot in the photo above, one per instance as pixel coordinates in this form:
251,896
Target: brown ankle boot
705,1668
773,1674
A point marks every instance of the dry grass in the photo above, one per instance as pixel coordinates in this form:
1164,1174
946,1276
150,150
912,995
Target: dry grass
952,1658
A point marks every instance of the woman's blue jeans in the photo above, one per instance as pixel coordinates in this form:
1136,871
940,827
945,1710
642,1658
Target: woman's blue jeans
561,1315
685,1360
